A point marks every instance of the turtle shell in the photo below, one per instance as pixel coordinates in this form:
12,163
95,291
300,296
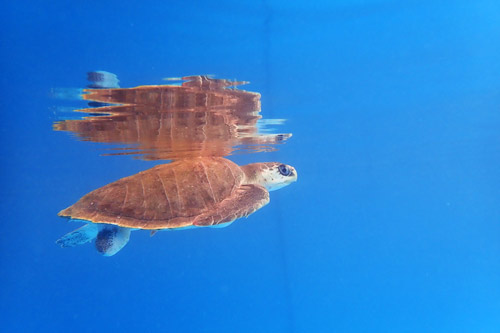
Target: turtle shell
166,196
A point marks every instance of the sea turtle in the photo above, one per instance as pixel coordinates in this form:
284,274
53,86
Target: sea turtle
197,192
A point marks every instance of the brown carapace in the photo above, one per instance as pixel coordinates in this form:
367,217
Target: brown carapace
201,191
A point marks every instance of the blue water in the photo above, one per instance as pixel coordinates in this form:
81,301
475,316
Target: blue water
393,225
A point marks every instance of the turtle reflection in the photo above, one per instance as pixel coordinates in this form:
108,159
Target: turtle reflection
195,124
200,117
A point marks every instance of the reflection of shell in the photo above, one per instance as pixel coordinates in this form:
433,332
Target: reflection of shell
191,94
201,117
167,196
167,135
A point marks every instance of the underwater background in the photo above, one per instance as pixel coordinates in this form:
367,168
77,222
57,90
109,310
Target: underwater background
392,226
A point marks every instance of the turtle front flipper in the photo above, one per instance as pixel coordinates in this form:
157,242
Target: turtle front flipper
243,201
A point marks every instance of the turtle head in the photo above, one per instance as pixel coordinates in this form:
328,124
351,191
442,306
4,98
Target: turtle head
271,175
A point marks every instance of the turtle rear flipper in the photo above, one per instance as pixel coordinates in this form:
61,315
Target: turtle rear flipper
111,239
243,202
79,236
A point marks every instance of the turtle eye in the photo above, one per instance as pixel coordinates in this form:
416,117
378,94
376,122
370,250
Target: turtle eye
284,170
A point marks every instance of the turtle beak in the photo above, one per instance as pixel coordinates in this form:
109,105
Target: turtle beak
295,175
